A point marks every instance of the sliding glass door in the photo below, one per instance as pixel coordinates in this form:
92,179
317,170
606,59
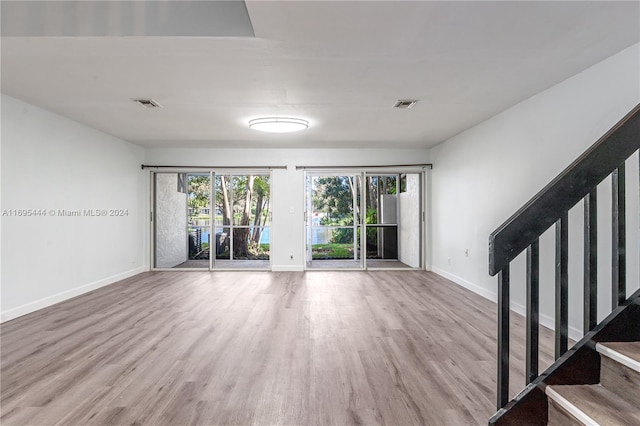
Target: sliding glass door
333,221
211,221
242,221
348,214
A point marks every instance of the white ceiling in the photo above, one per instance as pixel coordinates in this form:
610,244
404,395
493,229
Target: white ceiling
339,64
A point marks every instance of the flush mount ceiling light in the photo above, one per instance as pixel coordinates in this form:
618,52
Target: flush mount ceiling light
278,124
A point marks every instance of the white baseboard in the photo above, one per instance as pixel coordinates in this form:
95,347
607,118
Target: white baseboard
547,321
466,284
27,308
544,320
287,268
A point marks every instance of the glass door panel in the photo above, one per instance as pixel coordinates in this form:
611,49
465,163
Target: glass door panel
382,221
410,229
333,221
260,219
181,220
170,220
198,219
243,219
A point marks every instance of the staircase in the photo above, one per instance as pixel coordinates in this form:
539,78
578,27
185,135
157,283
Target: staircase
615,400
597,381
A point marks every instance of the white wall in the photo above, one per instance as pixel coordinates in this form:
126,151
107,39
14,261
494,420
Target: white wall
171,222
52,163
410,209
287,231
484,174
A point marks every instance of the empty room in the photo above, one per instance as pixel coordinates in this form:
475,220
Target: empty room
320,212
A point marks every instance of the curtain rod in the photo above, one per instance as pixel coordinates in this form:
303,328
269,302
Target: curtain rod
147,166
390,166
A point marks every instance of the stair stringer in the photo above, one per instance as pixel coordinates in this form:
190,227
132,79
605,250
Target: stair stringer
580,365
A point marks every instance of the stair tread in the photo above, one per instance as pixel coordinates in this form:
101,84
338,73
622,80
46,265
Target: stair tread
594,404
627,353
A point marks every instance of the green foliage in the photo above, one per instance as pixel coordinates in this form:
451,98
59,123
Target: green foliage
199,187
332,199
372,216
333,196
342,235
262,186
332,251
237,188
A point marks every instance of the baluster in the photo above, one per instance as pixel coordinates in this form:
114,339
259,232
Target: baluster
503,337
590,261
618,260
562,284
533,298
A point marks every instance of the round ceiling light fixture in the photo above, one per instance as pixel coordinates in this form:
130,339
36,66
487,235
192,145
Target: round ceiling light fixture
278,124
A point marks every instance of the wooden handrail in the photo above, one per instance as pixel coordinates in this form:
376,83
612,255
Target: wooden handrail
567,189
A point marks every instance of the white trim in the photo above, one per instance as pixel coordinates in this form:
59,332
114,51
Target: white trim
618,357
466,284
425,205
580,415
287,268
338,269
545,320
27,308
239,269
179,269
390,268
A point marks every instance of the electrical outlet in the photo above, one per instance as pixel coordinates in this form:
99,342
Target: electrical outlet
291,255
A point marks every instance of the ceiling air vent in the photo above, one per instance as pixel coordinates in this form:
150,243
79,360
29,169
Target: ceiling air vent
405,103
147,103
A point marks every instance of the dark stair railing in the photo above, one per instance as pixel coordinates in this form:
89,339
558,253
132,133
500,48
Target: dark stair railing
551,206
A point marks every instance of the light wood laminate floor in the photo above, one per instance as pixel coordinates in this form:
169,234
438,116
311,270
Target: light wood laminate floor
317,348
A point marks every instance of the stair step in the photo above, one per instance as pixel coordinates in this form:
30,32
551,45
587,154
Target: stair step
626,353
620,369
589,405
